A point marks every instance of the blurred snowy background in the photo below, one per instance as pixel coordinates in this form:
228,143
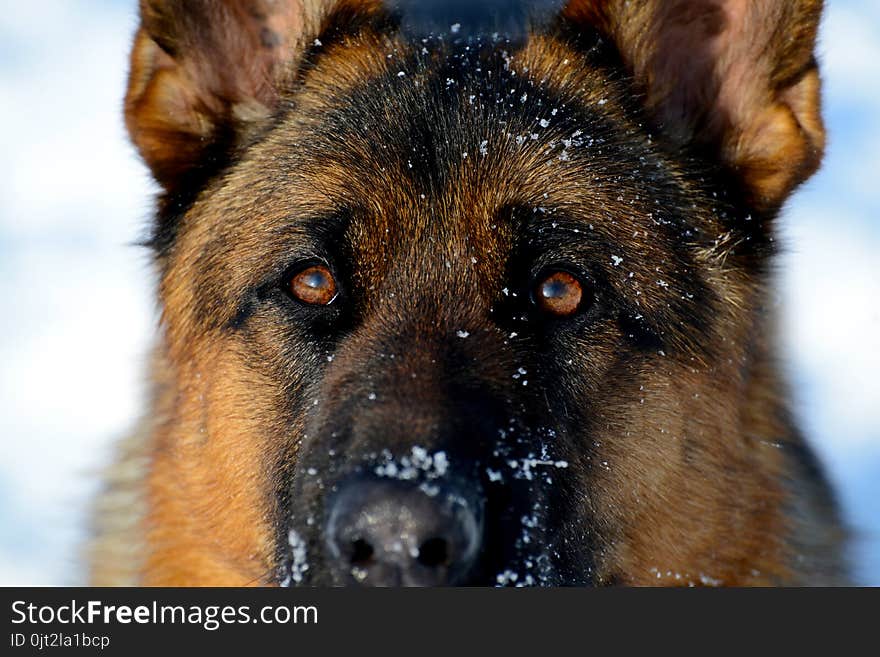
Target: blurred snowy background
76,313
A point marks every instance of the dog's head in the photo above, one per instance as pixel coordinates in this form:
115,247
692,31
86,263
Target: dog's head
465,310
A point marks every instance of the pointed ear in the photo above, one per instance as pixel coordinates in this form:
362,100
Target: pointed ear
202,69
735,78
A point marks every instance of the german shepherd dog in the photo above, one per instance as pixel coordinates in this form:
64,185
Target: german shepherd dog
468,309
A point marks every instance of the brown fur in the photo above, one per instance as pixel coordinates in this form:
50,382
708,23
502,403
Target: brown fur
692,475
738,76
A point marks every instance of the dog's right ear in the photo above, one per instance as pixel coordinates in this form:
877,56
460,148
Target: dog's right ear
200,69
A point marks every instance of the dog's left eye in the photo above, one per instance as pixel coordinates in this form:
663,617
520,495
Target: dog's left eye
313,285
560,293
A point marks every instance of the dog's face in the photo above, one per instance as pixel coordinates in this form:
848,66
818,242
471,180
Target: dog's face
464,310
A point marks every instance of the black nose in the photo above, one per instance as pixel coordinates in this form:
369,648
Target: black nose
385,532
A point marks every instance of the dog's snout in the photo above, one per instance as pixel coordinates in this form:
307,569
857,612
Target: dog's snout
385,532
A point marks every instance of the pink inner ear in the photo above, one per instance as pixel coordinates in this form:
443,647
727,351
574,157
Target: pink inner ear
697,70
272,29
742,74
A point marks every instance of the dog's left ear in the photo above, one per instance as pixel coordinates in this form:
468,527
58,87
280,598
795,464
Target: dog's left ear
737,79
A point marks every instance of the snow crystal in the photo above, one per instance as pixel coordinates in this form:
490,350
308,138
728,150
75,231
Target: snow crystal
441,463
705,580
419,463
529,521
523,468
299,564
506,577
494,475
430,490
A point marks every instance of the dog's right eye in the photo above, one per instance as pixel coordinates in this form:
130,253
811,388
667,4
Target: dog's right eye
559,293
314,286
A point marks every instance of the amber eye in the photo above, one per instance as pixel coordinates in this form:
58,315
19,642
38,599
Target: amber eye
314,285
559,293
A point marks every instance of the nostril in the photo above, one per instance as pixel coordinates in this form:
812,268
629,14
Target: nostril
382,532
361,552
434,552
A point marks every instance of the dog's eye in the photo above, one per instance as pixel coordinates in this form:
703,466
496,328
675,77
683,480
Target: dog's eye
314,285
560,293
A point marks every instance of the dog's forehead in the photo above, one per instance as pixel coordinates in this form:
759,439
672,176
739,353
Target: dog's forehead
459,132
429,149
